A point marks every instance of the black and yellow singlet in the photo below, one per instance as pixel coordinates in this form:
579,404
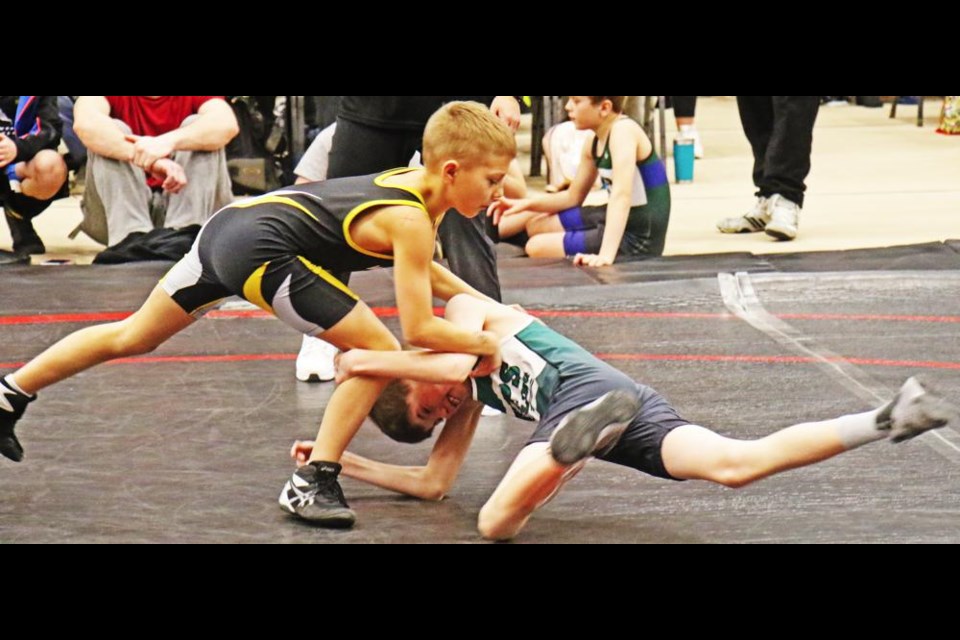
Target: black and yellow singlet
314,219
281,250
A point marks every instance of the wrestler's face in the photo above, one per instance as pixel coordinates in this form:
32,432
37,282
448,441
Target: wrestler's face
584,113
477,183
429,404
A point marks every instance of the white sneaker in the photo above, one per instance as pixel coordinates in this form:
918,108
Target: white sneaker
784,218
689,131
315,362
755,220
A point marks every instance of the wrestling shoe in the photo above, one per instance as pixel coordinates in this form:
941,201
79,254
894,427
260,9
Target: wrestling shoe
313,493
915,409
594,428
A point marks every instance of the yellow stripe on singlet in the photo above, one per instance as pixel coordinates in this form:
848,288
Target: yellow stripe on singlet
379,181
269,199
252,288
328,277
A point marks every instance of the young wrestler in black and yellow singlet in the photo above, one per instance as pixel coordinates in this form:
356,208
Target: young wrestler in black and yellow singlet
278,250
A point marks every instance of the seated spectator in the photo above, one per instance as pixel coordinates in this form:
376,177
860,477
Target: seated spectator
562,149
32,173
156,171
632,226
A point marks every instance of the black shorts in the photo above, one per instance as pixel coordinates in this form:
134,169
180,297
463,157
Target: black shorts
640,445
235,255
583,229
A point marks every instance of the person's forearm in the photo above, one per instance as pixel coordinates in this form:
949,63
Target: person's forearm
206,133
412,481
618,212
433,481
100,135
438,334
554,202
424,366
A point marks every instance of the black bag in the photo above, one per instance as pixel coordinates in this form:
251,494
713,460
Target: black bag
169,245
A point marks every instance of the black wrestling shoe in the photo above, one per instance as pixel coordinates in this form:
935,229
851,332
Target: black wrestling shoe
314,494
12,405
25,238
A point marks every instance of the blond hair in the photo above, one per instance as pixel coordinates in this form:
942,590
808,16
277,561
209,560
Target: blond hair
465,131
618,102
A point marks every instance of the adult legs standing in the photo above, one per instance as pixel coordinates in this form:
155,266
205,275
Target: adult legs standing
780,131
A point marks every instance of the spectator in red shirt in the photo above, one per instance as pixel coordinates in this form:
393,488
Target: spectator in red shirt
155,162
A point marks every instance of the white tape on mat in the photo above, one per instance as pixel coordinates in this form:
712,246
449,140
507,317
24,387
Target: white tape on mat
741,299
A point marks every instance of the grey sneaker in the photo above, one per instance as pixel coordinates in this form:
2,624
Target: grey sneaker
755,220
313,494
915,409
784,218
594,428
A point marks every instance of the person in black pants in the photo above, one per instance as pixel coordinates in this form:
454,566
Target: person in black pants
780,131
376,133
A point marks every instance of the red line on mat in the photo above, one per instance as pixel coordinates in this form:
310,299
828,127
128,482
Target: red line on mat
644,357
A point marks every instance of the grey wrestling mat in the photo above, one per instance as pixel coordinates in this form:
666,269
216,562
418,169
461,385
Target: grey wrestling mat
189,444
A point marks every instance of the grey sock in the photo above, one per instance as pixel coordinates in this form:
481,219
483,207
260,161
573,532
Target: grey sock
859,429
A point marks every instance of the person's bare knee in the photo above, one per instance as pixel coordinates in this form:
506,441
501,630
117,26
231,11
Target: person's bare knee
730,467
494,523
540,246
49,165
733,474
733,464
129,340
47,171
695,453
